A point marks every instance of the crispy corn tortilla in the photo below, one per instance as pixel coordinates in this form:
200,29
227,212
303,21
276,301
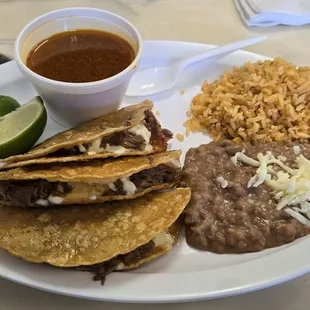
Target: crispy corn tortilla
90,179
173,232
75,236
93,171
101,127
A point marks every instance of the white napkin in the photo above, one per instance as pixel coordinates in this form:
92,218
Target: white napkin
266,13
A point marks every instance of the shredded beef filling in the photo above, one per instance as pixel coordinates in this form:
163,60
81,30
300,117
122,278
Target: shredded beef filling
127,139
144,179
26,193
159,136
154,176
101,270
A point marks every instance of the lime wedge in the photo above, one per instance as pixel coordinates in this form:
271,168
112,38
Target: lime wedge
21,129
7,105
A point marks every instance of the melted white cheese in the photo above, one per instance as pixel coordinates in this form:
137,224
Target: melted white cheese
148,148
112,187
163,239
95,145
116,149
2,164
175,163
141,130
55,200
120,266
51,199
81,147
42,202
128,186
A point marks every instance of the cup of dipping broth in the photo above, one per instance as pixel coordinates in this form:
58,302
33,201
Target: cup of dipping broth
80,60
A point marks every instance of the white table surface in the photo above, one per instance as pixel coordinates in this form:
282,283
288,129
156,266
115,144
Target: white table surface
208,21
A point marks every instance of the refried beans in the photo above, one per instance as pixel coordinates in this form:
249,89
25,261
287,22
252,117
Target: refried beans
224,216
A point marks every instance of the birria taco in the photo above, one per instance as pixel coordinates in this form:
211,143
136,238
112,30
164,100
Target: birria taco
133,130
88,182
101,238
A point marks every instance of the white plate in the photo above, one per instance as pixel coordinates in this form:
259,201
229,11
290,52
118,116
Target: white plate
185,273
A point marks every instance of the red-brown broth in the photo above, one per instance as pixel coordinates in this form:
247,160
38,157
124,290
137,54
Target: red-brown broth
81,56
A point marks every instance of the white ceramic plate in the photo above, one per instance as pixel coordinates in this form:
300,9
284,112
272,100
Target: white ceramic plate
185,273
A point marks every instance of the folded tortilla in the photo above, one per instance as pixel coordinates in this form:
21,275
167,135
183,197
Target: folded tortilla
133,130
88,182
100,238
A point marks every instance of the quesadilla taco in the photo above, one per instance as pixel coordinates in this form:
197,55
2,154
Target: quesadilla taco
100,238
133,130
158,246
88,182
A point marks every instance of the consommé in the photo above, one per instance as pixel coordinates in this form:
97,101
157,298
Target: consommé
81,56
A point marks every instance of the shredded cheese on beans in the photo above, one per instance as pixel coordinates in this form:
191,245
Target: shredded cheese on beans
291,185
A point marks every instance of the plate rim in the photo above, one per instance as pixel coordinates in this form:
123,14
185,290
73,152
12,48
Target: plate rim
192,292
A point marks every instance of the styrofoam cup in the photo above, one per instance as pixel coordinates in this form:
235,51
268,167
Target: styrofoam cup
73,103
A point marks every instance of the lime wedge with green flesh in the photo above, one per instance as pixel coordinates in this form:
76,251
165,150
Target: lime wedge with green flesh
22,128
7,105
